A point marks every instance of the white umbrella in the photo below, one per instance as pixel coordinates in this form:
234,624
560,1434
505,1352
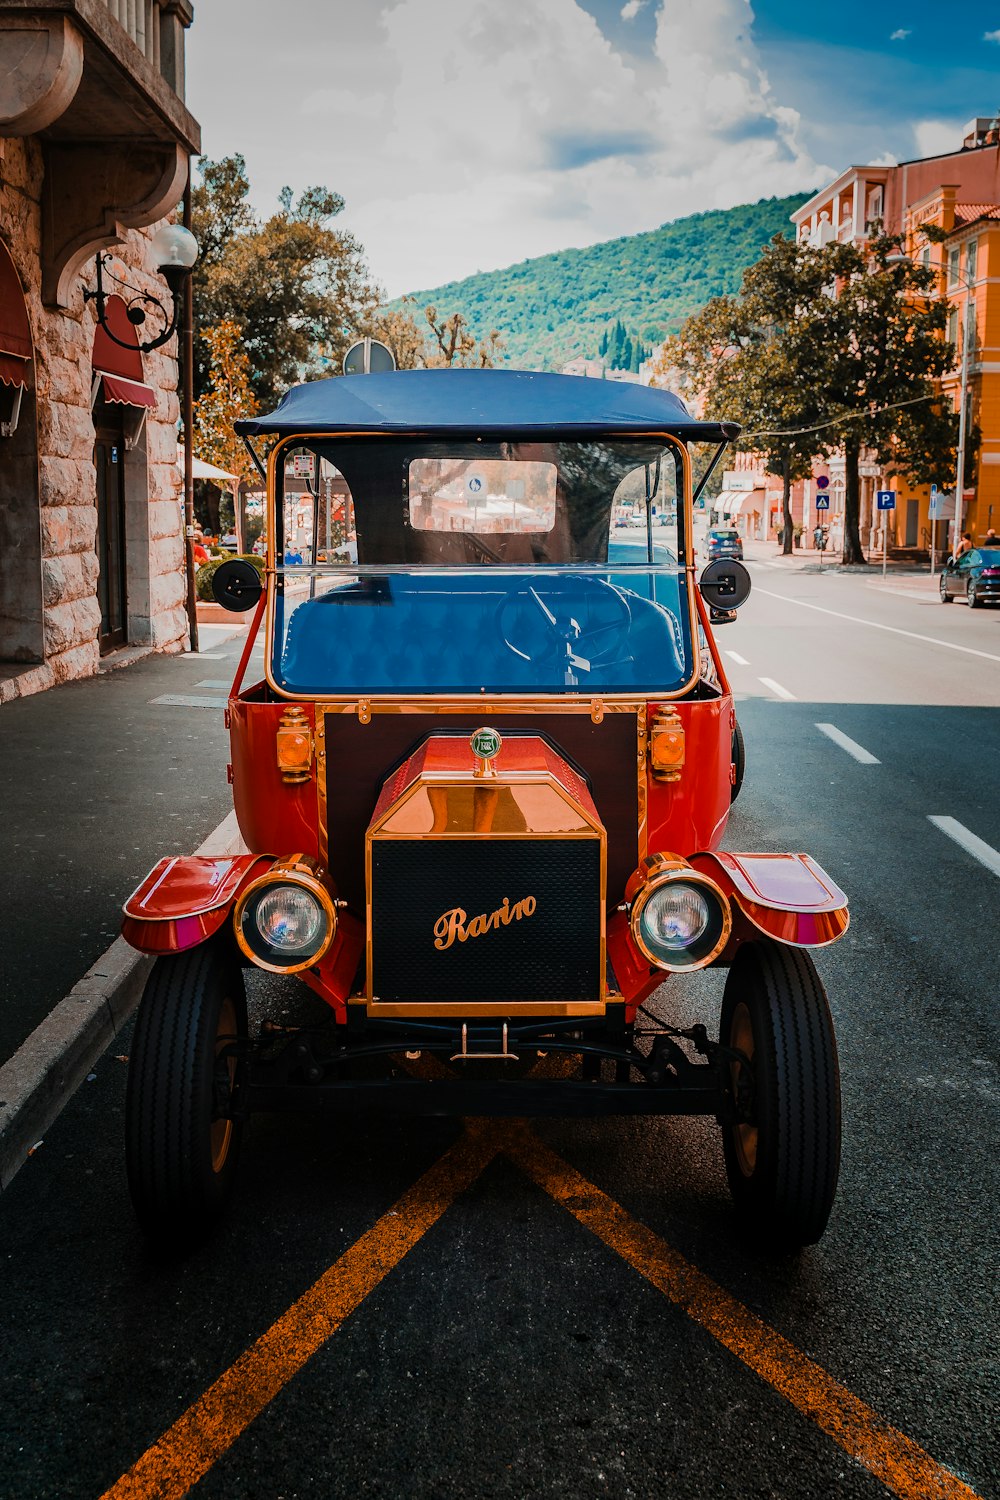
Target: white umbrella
200,469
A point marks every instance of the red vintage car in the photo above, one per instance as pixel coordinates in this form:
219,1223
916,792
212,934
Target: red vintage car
484,785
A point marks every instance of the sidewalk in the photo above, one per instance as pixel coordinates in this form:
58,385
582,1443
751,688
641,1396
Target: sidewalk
808,560
98,781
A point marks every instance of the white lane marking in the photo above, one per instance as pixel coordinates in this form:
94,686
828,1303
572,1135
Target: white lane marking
863,756
775,687
980,850
931,640
188,700
224,683
735,656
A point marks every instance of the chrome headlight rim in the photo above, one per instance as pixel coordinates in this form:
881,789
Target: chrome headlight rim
252,942
706,949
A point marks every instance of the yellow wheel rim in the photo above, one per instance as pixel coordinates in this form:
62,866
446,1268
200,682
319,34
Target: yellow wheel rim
744,1133
222,1130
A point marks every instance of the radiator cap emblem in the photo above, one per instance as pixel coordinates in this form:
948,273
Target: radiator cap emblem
485,747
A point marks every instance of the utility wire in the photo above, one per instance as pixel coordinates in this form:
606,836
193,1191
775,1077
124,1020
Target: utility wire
848,416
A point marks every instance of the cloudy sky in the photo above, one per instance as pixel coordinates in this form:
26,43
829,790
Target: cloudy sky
468,134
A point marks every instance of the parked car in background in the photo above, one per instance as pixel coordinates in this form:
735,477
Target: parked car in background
724,541
229,542
974,577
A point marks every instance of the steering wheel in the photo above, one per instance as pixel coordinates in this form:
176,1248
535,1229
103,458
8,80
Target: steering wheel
581,622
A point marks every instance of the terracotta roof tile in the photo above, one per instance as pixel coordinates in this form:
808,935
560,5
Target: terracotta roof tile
969,212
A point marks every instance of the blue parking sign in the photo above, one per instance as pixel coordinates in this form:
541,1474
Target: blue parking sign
886,499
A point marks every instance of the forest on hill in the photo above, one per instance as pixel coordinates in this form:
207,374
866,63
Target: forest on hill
559,307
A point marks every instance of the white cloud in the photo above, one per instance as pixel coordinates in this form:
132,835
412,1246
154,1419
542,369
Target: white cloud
521,131
991,36
466,136
936,137
631,9
900,34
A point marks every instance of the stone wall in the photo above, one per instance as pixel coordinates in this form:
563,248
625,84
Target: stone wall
67,489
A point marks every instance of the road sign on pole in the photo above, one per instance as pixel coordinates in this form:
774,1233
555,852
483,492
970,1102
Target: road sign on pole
886,499
822,502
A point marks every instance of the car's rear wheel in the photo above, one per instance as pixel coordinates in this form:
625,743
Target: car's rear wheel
186,1072
972,595
782,1149
739,755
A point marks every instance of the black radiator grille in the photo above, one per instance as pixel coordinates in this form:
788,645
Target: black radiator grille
553,954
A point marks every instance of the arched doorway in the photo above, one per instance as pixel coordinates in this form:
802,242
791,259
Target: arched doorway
21,626
119,400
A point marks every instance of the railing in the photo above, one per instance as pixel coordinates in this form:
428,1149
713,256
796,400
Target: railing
157,29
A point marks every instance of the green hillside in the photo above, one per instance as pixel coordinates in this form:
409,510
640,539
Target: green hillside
558,307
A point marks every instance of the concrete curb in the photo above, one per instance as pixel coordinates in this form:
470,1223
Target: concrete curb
46,1070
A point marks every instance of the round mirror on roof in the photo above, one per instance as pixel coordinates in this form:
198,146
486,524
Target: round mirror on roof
236,585
725,584
369,357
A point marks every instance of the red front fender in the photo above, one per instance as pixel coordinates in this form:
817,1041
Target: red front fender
788,897
184,899
785,896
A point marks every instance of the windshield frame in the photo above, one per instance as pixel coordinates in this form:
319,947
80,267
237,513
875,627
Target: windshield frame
684,571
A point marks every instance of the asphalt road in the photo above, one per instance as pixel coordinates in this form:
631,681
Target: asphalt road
515,1321
98,780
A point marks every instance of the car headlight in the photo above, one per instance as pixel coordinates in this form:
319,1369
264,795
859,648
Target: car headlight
285,920
680,919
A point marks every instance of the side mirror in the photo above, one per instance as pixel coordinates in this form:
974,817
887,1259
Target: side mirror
725,585
236,585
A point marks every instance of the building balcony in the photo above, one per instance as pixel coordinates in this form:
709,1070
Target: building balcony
100,83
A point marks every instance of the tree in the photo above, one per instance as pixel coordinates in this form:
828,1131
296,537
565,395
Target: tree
298,287
228,395
441,341
838,347
888,338
756,358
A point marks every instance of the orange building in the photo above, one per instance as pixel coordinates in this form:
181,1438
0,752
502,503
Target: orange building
958,191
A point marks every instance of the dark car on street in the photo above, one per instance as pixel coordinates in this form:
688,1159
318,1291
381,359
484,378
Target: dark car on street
724,541
974,577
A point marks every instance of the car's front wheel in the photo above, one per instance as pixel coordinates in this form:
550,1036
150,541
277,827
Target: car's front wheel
943,589
186,1072
782,1144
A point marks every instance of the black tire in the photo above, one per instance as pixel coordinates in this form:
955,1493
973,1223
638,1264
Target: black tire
943,590
181,1148
739,754
974,600
783,1153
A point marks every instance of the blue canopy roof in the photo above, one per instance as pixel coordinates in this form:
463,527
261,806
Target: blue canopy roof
453,401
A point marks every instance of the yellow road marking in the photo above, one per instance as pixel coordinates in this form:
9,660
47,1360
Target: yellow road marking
901,1464
210,1426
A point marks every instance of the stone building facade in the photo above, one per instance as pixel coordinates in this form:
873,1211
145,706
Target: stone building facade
95,143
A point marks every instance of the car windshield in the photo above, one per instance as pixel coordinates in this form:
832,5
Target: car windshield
412,566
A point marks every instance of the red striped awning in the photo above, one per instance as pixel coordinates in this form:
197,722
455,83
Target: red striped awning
15,330
13,370
126,392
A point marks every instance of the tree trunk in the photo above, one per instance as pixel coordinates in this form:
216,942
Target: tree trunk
853,552
237,517
786,507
